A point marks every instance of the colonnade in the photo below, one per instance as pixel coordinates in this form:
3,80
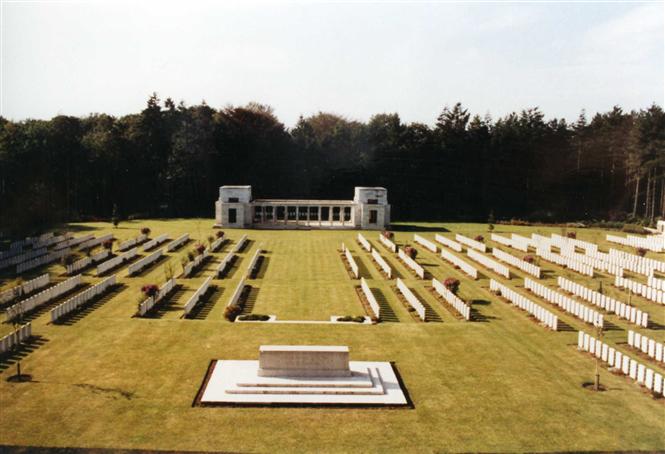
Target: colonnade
305,214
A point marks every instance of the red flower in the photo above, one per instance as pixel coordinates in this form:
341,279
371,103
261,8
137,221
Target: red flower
220,234
411,252
150,290
452,284
528,259
479,238
200,248
145,230
641,251
572,235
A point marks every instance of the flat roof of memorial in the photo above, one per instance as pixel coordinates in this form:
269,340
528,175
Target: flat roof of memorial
304,201
303,348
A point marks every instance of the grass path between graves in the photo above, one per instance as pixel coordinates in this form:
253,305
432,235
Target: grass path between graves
503,383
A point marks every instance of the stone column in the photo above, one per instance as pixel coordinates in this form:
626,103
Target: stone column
319,216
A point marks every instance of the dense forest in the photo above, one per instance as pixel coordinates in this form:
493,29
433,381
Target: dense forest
169,160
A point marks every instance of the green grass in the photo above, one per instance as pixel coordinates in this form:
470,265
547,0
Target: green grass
502,384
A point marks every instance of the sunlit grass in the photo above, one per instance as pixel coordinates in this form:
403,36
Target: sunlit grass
503,384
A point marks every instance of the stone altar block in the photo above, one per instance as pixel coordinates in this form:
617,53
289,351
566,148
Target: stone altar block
303,361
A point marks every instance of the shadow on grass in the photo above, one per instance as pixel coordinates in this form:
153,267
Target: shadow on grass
206,304
249,300
262,267
609,326
233,267
417,228
202,268
563,326
547,273
83,311
117,268
113,393
150,267
363,271
228,269
11,357
478,316
387,312
656,326
82,228
182,245
168,304
430,314
248,245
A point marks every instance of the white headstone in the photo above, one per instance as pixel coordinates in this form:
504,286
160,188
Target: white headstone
652,348
640,373
648,379
632,371
658,383
599,347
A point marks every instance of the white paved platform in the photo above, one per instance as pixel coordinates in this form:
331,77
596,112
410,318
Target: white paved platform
237,382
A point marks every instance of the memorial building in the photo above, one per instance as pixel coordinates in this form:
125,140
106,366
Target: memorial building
369,210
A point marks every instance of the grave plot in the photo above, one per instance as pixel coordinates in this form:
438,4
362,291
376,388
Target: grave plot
310,300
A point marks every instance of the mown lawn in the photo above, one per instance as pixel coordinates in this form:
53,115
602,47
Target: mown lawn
500,384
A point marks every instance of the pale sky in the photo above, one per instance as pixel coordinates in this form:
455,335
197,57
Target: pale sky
354,59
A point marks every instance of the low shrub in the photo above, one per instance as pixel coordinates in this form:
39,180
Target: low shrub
219,234
108,244
641,251
514,221
529,258
146,230
452,284
571,235
351,318
69,259
231,312
479,238
199,248
254,317
632,228
387,234
150,290
191,255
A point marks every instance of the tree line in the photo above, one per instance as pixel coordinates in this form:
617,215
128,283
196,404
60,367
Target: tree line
169,161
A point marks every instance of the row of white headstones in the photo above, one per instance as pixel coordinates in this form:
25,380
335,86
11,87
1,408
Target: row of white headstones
644,375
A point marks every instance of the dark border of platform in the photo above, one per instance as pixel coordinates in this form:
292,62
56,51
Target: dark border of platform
197,399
